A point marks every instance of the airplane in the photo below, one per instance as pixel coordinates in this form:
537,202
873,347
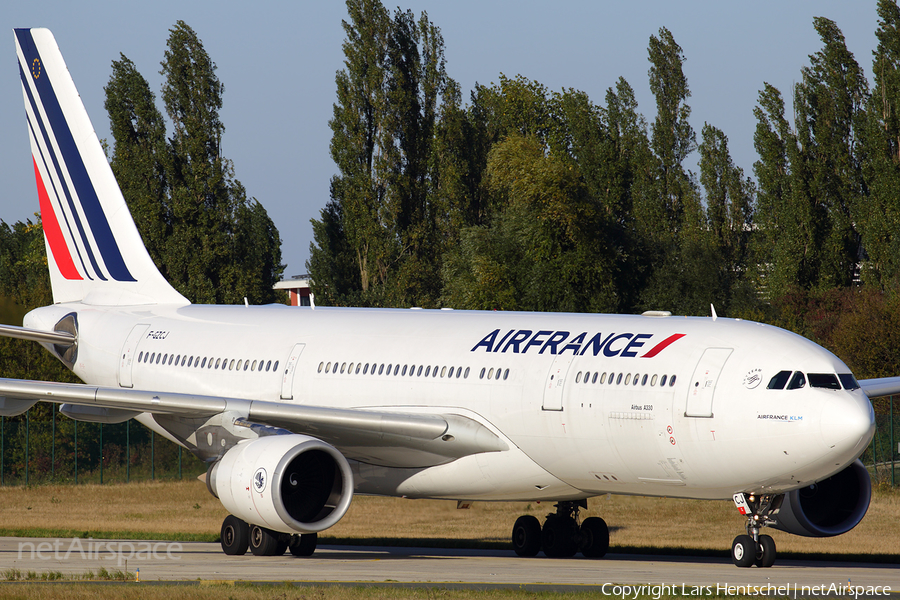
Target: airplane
295,410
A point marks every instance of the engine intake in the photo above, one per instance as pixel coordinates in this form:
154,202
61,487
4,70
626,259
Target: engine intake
830,507
289,483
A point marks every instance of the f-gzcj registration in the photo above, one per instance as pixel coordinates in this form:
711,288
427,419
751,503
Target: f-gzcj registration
295,410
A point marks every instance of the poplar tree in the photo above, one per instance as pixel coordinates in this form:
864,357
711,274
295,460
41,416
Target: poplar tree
383,130
212,242
880,216
138,164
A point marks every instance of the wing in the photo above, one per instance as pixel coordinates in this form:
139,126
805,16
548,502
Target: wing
878,388
383,437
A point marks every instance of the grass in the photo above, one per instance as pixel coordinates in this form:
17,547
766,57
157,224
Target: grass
185,511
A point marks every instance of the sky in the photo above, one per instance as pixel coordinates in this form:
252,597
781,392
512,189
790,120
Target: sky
278,61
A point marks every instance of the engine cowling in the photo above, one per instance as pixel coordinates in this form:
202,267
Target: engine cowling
830,507
288,483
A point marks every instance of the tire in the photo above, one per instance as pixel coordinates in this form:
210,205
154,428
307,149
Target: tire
765,556
594,538
558,537
743,551
235,536
303,545
526,536
265,542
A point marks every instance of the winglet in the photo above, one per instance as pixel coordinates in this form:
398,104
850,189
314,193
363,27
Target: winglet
94,251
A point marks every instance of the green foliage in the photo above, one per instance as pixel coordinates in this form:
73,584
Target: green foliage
212,242
389,235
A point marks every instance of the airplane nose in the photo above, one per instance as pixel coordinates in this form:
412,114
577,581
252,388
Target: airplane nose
848,422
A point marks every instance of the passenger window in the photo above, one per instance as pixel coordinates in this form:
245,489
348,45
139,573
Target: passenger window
481,375
275,368
450,372
419,372
443,371
246,364
268,364
628,379
797,381
779,380
505,374
466,376
619,379
672,381
578,377
644,380
240,363
366,369
653,379
603,378
828,381
662,382
848,381
491,373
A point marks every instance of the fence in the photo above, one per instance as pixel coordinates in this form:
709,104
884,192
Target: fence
43,447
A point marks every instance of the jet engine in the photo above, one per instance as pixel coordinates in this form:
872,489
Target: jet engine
288,483
830,507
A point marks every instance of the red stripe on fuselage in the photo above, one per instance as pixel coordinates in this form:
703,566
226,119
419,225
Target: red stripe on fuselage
663,345
52,231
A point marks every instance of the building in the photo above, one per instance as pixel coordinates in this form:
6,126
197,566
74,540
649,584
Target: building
298,289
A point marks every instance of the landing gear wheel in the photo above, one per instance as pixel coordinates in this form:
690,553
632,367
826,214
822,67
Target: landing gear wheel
558,537
235,536
265,542
526,536
743,551
765,554
303,545
594,540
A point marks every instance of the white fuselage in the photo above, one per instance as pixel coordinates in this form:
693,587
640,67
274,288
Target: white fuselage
579,399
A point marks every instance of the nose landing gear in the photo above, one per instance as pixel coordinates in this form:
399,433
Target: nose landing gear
753,548
561,536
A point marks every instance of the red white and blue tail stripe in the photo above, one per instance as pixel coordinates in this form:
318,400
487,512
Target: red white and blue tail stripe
94,251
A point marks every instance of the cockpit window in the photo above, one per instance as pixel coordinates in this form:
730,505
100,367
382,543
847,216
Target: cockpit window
824,380
848,381
797,381
779,380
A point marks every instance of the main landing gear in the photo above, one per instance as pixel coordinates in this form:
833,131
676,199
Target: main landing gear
238,536
753,548
562,535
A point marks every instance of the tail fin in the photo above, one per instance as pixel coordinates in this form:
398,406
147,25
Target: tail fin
94,251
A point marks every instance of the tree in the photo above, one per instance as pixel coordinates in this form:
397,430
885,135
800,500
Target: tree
879,217
213,243
384,124
829,118
138,164
729,207
672,138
